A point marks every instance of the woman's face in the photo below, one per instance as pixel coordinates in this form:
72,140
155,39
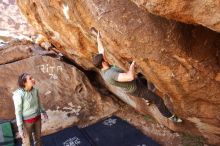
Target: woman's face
30,82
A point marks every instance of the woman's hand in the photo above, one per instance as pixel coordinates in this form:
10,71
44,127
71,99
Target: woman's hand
45,116
21,133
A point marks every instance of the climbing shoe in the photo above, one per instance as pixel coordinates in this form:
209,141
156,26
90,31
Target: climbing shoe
147,102
175,119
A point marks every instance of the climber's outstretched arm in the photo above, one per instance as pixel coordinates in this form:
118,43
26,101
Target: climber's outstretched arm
100,45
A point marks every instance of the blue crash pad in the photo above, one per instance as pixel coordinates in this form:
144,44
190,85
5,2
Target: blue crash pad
112,131
116,132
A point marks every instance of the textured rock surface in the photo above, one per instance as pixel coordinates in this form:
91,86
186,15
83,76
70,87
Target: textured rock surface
203,12
69,99
181,60
18,50
12,24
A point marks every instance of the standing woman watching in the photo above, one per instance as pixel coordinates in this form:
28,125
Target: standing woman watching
28,110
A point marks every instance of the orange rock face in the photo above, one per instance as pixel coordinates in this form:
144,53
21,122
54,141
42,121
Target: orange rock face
181,60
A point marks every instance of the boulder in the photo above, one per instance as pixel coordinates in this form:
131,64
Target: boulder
198,12
13,24
16,50
181,60
65,91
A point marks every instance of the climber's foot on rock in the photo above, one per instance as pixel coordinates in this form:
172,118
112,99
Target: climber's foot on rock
147,102
175,119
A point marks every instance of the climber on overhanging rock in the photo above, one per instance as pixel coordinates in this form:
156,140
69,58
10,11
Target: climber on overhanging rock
128,83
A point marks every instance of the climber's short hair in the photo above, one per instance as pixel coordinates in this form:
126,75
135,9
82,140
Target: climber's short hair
97,60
